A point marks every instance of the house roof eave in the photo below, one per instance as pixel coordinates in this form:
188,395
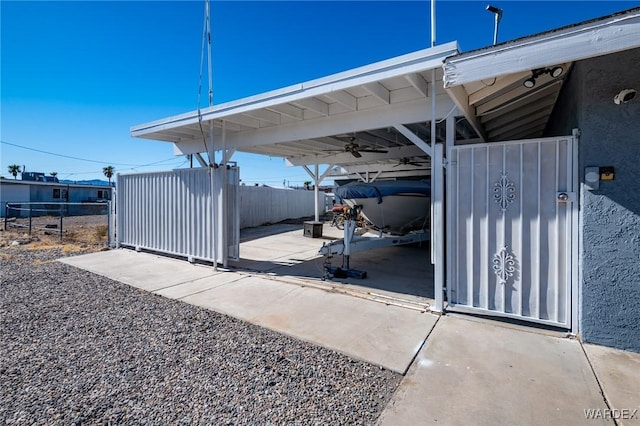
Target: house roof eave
610,34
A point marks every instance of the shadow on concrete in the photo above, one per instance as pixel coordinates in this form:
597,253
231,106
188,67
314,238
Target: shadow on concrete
255,232
250,234
404,272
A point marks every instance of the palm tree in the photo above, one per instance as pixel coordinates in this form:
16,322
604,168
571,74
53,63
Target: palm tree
108,172
14,169
53,174
307,184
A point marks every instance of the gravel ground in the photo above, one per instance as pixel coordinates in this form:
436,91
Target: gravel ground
77,348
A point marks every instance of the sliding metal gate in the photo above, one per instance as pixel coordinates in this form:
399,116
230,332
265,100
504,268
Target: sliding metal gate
184,212
512,229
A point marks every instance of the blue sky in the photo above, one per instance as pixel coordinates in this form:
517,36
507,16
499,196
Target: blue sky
75,76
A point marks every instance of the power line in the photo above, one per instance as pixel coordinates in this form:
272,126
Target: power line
177,164
84,159
156,162
81,159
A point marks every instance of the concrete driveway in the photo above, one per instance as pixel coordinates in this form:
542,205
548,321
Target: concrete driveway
484,372
458,369
384,334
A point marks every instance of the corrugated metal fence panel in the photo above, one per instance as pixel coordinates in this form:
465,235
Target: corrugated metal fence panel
260,205
510,238
170,212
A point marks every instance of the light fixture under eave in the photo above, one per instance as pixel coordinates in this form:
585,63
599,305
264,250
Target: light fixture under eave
554,72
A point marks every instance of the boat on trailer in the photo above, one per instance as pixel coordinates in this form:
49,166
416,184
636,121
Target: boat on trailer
395,207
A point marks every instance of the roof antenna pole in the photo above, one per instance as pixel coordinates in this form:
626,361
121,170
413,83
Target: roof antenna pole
212,155
433,23
497,12
209,68
206,35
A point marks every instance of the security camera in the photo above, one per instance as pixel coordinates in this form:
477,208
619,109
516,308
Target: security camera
625,96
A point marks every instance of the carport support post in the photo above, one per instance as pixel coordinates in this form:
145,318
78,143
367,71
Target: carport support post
446,237
437,232
214,195
223,201
315,192
315,175
437,191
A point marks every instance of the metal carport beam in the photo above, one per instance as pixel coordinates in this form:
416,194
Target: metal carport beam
348,122
414,138
227,155
367,178
201,160
389,167
322,176
461,99
317,178
346,158
384,174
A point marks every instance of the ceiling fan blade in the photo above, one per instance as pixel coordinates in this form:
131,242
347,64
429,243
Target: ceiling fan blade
377,151
355,153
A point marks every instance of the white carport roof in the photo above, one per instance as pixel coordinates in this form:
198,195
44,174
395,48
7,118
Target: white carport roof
323,121
487,84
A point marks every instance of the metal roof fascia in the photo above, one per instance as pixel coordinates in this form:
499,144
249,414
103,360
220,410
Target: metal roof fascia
609,35
384,116
188,115
437,52
413,62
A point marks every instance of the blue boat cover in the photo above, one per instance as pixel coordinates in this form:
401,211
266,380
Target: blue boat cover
383,188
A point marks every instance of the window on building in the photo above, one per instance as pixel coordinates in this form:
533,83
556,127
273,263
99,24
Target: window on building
100,194
56,192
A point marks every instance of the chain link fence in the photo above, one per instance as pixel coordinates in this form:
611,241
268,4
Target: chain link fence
63,219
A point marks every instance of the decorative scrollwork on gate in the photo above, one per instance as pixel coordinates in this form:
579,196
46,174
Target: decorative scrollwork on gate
504,265
504,192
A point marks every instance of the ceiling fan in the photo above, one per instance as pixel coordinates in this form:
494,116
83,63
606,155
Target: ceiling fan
355,149
407,161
